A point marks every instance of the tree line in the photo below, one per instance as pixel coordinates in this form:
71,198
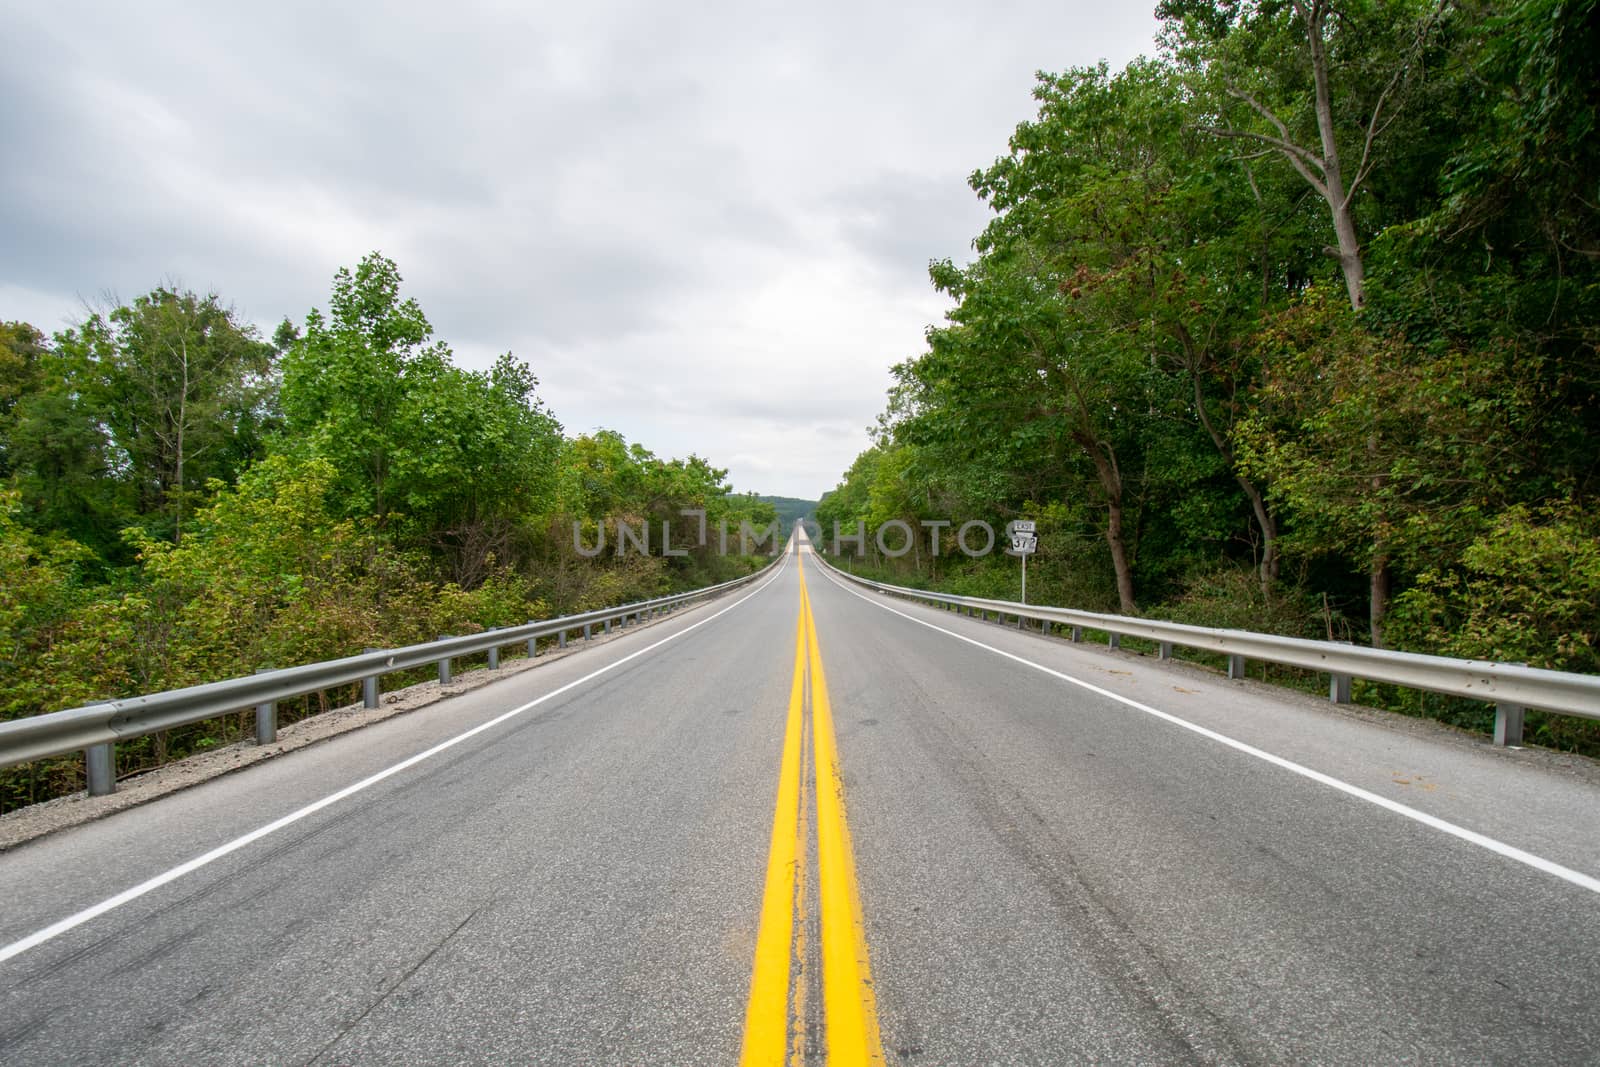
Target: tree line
1293,326
182,500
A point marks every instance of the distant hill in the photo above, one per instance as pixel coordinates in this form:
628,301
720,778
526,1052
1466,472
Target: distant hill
791,510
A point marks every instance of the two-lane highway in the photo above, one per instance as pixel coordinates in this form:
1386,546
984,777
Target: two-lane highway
590,862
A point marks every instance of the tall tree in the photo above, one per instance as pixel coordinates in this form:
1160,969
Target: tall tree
174,375
347,380
1269,72
22,352
1317,83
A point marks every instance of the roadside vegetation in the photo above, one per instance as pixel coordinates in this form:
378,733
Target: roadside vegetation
183,501
1294,327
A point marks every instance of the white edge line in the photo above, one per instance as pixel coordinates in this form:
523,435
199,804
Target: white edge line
56,929
1539,863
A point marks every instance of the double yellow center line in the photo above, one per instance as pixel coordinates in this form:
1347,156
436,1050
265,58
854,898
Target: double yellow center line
775,1018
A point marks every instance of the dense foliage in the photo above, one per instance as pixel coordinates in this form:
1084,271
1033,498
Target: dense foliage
183,501
1296,325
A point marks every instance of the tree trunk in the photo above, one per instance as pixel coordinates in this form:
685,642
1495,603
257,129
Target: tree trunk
1105,465
1333,188
1258,505
1119,557
1349,252
1269,536
1380,580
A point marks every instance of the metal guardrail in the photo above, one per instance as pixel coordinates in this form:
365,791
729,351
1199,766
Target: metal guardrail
1511,687
95,728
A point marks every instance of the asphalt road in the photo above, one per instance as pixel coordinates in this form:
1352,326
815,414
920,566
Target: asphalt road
1046,873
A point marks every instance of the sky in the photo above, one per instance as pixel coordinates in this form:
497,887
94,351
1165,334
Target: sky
706,226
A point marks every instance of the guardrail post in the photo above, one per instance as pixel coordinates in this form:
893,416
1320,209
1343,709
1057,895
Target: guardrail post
494,659
369,687
1339,685
608,626
561,638
1077,635
444,666
100,769
1235,665
1113,640
588,631
266,718
1508,724
533,644
1164,650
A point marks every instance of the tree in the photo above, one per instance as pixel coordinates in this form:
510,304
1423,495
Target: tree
485,456
55,448
1268,71
1021,374
174,377
1158,244
22,353
347,380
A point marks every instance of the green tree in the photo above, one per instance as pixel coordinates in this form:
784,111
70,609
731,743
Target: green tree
69,474
347,382
22,353
1314,82
175,379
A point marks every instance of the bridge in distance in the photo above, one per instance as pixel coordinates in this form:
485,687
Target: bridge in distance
806,823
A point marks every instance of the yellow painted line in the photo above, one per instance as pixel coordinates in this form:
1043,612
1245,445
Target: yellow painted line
766,1018
775,1016
797,1008
849,1004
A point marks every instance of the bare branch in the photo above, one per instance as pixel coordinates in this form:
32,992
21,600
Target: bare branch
1261,109
1373,128
1364,167
1288,150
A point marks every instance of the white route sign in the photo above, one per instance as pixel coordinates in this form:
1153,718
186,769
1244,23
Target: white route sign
1021,526
1024,544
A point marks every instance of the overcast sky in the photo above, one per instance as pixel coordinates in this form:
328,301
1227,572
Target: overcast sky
706,226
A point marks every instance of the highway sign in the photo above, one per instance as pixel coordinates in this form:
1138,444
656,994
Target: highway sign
1023,527
1023,544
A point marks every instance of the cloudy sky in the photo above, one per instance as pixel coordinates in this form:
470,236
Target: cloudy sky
706,226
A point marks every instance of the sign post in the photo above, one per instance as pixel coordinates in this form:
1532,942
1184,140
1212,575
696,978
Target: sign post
1024,542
